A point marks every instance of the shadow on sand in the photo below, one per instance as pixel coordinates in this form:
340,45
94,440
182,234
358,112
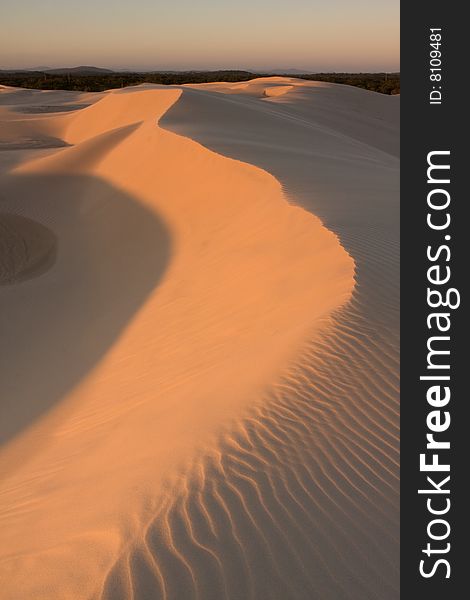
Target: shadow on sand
111,253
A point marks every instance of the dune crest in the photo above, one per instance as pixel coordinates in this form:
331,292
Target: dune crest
245,280
310,479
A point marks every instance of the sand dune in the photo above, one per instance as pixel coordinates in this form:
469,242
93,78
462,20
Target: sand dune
199,391
278,90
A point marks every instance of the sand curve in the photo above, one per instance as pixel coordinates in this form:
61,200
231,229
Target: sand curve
317,465
121,458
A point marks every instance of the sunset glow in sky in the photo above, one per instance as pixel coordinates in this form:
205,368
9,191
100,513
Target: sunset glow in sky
311,35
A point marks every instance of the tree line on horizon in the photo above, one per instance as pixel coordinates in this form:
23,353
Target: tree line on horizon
384,83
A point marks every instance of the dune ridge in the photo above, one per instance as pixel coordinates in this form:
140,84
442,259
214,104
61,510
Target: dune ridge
335,151
163,469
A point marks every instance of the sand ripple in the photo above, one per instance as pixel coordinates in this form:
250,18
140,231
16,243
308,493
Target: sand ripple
239,440
27,248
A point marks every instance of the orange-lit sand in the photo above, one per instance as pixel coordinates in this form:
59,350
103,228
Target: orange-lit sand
176,418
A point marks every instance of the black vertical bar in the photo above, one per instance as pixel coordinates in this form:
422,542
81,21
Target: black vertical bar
425,128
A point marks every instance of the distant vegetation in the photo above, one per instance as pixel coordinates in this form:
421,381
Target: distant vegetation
384,83
74,79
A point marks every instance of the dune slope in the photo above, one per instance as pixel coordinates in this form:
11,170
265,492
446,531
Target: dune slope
168,420
320,458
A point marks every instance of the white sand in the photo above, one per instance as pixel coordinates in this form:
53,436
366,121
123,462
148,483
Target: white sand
199,384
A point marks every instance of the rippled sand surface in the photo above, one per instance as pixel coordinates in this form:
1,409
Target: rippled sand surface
199,330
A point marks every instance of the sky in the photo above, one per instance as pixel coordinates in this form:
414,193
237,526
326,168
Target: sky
311,35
